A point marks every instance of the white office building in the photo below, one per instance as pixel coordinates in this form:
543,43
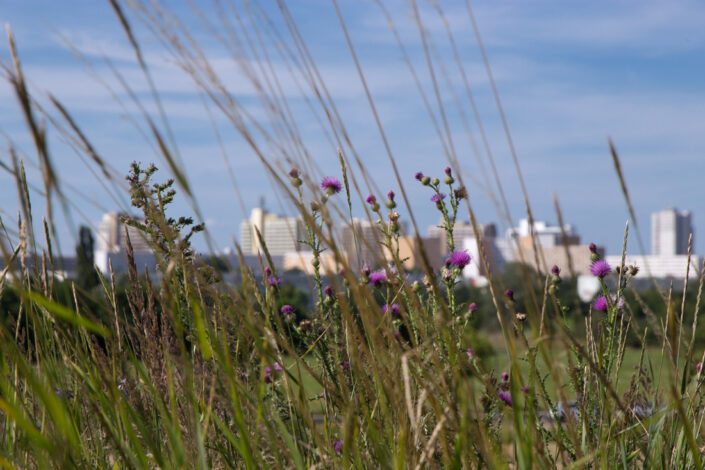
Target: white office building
280,234
670,230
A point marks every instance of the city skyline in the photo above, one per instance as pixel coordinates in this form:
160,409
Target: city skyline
568,78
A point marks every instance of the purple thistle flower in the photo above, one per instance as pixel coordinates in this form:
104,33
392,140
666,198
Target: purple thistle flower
267,271
600,268
600,303
593,248
418,175
699,367
338,446
294,173
267,370
447,170
328,290
395,309
506,398
472,307
330,185
555,270
371,199
267,378
505,376
274,281
378,278
510,294
365,269
287,310
390,195
459,259
437,198
526,389
346,365
277,367
470,352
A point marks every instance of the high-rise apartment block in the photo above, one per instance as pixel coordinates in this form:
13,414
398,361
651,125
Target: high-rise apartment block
280,234
360,242
111,245
111,235
670,230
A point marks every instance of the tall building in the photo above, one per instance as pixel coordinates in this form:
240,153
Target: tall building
360,242
111,245
670,230
280,234
111,235
546,235
461,231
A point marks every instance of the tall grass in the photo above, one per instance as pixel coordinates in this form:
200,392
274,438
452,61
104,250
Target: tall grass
193,373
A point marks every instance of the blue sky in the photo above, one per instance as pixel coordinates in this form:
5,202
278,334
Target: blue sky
568,77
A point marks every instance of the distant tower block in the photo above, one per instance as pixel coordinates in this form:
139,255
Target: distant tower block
670,230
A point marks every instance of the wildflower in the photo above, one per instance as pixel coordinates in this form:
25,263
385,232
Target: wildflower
593,248
520,316
472,307
394,308
505,376
506,398
435,182
378,278
437,198
470,352
600,303
509,294
446,274
267,379
274,281
418,176
277,367
330,185
365,270
555,270
122,386
295,180
338,446
372,201
460,259
345,365
526,389
390,200
267,271
328,290
449,178
699,367
600,268
287,310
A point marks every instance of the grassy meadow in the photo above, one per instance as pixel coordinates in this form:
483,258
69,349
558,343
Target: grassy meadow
181,370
